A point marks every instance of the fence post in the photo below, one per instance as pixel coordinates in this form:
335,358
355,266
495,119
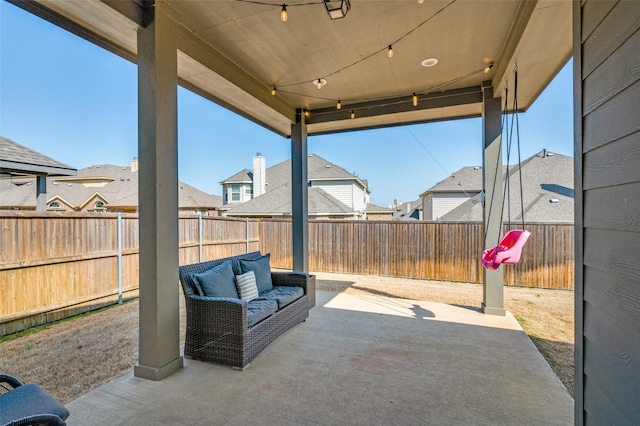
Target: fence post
247,234
200,237
119,233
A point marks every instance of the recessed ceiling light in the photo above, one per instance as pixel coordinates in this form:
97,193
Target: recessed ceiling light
429,62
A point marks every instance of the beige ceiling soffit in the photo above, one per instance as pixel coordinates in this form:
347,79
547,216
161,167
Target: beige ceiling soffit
525,11
48,14
447,98
196,48
132,10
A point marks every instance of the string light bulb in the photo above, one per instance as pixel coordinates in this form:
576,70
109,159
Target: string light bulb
488,68
319,83
307,113
273,91
420,1
353,114
283,14
338,105
415,99
390,51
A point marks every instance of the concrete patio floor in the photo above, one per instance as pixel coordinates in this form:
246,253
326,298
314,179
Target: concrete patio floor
357,360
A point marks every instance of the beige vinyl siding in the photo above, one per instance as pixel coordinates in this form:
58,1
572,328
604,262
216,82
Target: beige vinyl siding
444,203
348,192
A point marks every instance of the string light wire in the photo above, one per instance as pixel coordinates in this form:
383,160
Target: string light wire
370,55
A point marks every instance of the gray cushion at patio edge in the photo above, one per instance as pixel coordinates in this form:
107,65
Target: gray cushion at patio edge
218,281
29,400
257,310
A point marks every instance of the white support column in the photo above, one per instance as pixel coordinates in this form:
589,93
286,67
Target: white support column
493,290
158,195
299,194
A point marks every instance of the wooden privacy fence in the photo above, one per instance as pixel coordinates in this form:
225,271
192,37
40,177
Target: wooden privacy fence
53,265
426,250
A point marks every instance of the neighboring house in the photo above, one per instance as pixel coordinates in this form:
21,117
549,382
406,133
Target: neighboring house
547,192
101,188
411,210
19,162
266,192
375,212
451,192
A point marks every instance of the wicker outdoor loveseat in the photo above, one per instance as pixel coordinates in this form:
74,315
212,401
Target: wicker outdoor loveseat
232,331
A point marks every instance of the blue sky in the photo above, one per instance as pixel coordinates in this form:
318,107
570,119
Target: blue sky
77,103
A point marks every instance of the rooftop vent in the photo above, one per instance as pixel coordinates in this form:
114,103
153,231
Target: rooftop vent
554,201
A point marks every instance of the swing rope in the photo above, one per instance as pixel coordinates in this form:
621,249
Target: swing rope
507,128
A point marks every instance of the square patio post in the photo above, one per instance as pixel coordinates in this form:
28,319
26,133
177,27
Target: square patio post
159,353
299,194
493,291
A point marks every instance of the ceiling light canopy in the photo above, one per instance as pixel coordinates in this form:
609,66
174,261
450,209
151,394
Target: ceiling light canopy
337,8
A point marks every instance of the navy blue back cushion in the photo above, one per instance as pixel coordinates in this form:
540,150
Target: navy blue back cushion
262,269
217,282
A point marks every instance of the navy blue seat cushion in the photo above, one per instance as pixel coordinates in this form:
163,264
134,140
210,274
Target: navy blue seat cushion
258,309
283,295
29,400
218,281
262,269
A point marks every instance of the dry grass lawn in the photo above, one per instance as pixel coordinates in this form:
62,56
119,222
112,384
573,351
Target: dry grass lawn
73,357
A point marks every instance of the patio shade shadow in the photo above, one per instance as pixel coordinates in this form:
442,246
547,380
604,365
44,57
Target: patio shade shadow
357,360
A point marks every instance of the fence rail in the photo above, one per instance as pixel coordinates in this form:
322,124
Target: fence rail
54,265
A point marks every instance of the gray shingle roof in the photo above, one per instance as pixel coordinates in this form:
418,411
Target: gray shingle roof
120,189
373,208
243,176
279,174
408,211
544,178
20,159
278,202
467,179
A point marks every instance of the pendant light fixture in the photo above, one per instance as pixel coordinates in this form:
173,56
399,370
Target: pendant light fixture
337,8
390,51
338,105
283,14
415,99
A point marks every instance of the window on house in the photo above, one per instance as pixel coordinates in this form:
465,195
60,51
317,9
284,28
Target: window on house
54,205
248,191
235,192
98,206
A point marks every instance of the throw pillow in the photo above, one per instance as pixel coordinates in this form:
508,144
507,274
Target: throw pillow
217,281
262,269
247,286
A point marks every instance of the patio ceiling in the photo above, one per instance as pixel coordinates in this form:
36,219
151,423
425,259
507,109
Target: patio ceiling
235,52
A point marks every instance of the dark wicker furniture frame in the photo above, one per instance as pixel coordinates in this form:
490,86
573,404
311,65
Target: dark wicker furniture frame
217,328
